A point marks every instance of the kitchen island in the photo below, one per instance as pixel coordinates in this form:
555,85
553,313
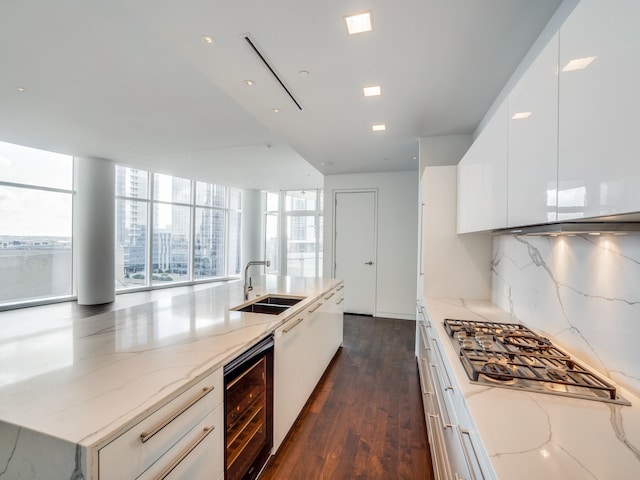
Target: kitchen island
527,435
86,381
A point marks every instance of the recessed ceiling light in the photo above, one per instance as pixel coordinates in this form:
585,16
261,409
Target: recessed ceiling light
578,64
359,23
415,158
21,89
304,73
371,91
276,110
521,115
207,40
326,164
249,82
378,127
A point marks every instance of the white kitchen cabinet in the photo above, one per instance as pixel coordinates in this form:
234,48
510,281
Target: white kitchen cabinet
599,172
304,346
482,179
533,142
455,448
183,429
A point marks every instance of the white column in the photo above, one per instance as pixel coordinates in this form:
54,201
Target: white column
251,222
95,227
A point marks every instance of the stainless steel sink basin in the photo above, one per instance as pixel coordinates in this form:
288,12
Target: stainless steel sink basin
270,304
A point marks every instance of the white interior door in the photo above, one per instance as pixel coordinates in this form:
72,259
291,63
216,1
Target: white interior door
355,249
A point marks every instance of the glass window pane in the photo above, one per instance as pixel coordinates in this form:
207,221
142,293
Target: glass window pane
35,244
271,242
131,243
300,200
171,189
301,245
209,243
30,166
210,195
272,199
132,183
170,246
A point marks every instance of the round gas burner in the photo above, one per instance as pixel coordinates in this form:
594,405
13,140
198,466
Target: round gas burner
498,379
527,342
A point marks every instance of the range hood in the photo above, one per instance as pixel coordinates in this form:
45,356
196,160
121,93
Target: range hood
575,228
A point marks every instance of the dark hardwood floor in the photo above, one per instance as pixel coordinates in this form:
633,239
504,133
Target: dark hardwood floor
365,418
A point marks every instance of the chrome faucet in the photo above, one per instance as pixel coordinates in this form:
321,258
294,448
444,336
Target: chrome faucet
247,283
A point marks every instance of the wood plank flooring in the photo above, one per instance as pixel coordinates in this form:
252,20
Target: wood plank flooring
365,418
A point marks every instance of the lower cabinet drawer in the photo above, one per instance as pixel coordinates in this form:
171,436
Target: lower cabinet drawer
198,455
142,445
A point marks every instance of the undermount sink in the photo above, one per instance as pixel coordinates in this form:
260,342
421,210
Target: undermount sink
271,305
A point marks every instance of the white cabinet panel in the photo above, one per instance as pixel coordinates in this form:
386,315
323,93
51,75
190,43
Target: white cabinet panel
482,179
599,172
533,142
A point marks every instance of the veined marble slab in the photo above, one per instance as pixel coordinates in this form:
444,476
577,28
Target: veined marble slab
69,384
532,436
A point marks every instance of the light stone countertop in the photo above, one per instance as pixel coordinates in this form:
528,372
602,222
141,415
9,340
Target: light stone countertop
540,436
83,380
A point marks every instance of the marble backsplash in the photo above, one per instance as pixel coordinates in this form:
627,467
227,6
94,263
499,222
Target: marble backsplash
581,291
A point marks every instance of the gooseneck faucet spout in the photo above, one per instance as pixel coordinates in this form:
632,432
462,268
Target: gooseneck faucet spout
247,279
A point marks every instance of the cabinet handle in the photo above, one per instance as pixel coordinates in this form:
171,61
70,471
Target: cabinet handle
467,454
186,452
339,288
315,308
340,301
441,463
144,436
448,385
424,376
330,295
442,404
288,329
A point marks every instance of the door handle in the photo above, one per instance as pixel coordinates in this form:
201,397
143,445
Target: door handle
368,263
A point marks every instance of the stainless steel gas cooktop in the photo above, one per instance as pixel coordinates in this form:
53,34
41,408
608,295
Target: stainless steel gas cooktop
510,355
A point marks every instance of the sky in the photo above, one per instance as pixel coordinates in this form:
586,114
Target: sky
26,211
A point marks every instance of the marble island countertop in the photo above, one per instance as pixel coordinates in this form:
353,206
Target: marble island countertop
83,380
536,435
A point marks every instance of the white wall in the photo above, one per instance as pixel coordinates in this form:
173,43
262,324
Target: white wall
397,236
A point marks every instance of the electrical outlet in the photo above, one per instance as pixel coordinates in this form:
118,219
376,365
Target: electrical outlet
507,291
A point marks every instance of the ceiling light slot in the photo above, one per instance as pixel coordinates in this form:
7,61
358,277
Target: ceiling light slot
262,57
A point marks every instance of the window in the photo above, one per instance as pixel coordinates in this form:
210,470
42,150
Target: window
132,222
36,207
293,232
195,230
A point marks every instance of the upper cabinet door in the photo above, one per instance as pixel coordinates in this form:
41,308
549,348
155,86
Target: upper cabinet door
533,142
482,178
599,130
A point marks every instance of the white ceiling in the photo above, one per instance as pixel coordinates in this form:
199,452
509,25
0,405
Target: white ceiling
131,81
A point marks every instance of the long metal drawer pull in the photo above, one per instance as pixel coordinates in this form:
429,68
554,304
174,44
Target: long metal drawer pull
288,329
339,288
442,405
186,452
315,308
442,459
447,385
340,301
425,381
425,340
145,436
330,295
467,455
